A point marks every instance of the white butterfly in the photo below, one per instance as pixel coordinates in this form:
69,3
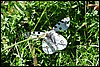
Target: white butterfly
52,40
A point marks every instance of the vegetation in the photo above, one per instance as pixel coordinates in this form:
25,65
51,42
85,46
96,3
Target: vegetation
18,17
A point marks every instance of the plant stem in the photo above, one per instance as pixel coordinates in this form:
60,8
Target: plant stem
41,16
15,44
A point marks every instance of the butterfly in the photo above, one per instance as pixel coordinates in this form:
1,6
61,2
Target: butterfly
52,41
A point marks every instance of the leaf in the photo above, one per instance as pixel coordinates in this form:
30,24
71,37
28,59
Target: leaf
74,6
19,9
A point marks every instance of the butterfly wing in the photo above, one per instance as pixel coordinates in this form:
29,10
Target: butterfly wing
61,42
62,25
53,42
48,47
34,34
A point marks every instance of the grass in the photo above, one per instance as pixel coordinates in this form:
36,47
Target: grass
23,16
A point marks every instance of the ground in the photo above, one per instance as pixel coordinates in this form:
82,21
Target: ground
18,17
